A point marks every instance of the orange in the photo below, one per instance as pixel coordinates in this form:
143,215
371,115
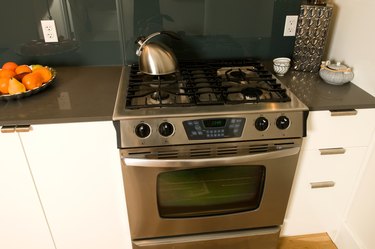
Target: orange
44,72
4,83
20,76
10,65
7,73
32,81
23,69
15,86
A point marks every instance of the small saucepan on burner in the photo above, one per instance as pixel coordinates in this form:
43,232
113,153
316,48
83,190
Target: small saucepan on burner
156,58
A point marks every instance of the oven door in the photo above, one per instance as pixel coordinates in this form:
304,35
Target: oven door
208,188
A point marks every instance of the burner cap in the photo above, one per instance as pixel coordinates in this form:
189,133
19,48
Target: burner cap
251,92
238,74
160,95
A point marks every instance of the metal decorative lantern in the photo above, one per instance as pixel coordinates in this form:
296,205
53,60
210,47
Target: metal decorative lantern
311,36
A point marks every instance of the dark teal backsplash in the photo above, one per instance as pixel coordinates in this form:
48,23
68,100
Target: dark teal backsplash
103,32
88,31
212,28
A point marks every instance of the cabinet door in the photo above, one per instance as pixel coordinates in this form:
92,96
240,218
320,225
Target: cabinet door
22,222
77,170
318,210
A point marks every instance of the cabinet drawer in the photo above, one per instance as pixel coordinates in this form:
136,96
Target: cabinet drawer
322,187
327,131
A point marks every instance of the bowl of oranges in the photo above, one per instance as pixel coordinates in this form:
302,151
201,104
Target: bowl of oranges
18,81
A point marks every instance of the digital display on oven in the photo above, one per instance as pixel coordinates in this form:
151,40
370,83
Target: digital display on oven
214,128
214,123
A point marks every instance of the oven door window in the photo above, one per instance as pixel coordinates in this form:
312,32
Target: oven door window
209,191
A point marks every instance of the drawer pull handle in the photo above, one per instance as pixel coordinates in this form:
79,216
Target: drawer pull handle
327,184
8,129
15,128
351,112
332,151
23,128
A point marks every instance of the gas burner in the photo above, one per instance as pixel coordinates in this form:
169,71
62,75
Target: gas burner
237,74
158,78
251,93
245,94
156,81
160,95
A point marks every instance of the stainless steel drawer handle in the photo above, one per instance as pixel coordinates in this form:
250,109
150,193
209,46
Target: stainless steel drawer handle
332,151
15,128
8,129
217,161
343,112
326,184
23,128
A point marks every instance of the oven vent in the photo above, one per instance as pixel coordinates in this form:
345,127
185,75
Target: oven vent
205,151
136,153
168,154
284,144
258,148
227,151
201,152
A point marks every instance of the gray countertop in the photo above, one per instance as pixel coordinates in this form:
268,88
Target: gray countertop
319,96
78,94
81,94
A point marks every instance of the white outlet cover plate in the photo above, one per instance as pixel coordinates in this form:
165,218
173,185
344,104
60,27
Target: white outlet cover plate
290,25
49,30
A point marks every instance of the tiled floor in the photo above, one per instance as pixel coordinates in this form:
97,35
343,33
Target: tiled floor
313,241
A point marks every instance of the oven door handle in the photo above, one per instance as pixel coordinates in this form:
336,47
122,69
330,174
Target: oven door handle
217,161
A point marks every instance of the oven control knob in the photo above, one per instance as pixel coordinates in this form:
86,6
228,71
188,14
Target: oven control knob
261,124
282,122
166,129
142,130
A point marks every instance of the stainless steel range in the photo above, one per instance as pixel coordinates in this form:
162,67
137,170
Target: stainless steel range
208,154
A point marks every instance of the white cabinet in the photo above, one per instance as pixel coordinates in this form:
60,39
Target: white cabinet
331,158
22,221
77,171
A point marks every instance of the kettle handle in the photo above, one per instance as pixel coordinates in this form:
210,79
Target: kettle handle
143,40
171,34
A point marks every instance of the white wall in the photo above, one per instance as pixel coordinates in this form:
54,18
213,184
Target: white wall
353,42
353,39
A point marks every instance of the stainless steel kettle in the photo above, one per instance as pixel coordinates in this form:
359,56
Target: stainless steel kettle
156,58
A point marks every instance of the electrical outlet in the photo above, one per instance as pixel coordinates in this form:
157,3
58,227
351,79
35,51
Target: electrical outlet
49,31
290,25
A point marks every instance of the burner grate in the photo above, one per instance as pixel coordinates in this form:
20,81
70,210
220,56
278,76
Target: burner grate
205,83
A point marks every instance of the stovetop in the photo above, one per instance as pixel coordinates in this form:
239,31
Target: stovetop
227,82
204,102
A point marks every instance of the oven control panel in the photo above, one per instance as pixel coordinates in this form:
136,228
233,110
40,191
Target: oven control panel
214,128
182,130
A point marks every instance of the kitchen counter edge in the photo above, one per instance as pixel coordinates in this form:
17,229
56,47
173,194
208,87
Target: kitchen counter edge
90,94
